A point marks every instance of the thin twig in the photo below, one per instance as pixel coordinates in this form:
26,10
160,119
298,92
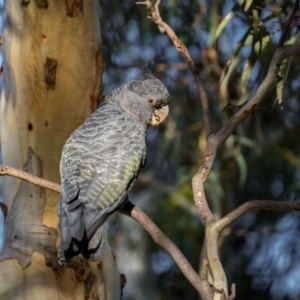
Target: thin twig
182,49
156,7
5,170
233,292
254,205
288,23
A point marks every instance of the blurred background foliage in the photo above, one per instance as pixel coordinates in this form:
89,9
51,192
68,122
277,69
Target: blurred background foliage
233,43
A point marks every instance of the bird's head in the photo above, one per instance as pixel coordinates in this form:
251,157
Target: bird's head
146,99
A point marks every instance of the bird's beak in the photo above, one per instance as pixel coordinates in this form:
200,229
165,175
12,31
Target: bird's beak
159,115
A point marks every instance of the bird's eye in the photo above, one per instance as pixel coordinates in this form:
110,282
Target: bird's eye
150,101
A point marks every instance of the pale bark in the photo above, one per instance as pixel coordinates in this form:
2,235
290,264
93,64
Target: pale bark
51,82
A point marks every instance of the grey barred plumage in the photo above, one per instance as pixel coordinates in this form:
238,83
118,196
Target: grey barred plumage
101,161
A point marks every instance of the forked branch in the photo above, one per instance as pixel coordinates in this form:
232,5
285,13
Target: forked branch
201,285
216,139
213,231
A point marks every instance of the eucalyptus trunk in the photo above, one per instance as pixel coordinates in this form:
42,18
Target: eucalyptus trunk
52,80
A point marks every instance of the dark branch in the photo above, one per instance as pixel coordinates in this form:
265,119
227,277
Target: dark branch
288,23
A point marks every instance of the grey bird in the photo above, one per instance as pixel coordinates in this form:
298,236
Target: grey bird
101,161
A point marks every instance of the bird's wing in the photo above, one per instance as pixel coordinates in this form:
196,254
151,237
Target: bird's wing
99,164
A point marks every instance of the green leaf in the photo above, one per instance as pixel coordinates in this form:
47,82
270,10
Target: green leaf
247,142
242,164
224,22
261,45
292,158
248,3
255,21
283,70
292,40
247,70
224,79
257,48
279,91
245,41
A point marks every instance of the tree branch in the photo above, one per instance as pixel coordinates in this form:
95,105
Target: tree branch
215,140
199,178
270,79
213,231
288,23
5,170
254,205
201,285
182,49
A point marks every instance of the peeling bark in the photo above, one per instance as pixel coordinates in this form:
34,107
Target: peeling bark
50,71
42,101
25,232
73,7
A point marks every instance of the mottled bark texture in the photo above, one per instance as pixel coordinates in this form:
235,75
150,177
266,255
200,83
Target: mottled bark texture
51,67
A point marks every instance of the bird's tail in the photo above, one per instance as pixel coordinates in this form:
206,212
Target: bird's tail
81,232
91,250
97,243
